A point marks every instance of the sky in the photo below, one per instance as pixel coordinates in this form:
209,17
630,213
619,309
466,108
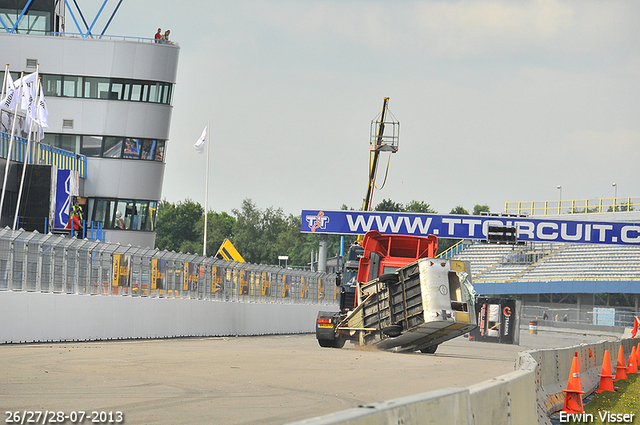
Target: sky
498,101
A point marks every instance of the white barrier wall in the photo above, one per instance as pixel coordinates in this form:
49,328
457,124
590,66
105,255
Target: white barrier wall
39,317
524,397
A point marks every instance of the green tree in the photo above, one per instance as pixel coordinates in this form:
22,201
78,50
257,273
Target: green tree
176,227
248,231
219,227
459,210
389,205
419,207
477,209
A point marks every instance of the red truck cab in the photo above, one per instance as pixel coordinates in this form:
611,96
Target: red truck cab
386,253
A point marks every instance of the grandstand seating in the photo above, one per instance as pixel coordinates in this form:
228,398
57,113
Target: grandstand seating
568,262
482,256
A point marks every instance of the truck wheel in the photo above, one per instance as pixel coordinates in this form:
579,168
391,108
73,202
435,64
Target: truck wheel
326,343
429,350
392,331
389,278
338,342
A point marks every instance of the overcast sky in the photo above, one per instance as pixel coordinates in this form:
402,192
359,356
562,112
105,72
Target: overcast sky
498,100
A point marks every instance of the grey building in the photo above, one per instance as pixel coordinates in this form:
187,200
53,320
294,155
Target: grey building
109,100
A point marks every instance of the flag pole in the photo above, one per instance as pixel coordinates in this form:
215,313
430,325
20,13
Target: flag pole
206,192
4,81
13,129
27,151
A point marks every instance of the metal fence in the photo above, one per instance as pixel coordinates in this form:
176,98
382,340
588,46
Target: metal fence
39,262
584,314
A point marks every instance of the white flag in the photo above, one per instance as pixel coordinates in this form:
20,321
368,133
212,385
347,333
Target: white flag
199,146
26,87
43,112
28,94
10,98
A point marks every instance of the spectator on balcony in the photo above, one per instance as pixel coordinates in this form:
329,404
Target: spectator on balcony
158,36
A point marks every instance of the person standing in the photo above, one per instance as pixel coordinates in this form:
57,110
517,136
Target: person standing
74,224
77,210
158,36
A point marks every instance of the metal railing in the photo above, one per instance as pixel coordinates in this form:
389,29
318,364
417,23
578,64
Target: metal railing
572,206
39,262
42,154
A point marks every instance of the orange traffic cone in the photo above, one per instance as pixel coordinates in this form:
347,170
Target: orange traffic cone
573,393
606,378
621,369
632,365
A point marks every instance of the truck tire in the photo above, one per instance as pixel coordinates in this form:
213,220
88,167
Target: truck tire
429,350
389,278
392,331
338,342
325,343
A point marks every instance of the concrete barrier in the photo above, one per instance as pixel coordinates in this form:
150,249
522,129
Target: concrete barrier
448,406
46,317
527,396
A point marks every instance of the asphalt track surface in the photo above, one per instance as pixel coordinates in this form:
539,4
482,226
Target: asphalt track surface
242,380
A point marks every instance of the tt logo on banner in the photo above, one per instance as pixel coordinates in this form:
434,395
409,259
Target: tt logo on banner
317,221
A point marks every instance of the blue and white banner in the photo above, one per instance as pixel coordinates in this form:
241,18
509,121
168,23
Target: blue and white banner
469,226
66,188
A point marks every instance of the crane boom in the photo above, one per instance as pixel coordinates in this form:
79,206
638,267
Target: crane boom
374,156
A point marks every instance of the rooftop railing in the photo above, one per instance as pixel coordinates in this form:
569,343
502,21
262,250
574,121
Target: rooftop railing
573,206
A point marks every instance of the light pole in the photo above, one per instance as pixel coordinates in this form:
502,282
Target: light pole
560,201
615,195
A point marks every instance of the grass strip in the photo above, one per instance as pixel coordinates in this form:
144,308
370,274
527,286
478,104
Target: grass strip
611,407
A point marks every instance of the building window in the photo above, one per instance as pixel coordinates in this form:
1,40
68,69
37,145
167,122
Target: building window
159,156
131,149
120,89
108,147
91,146
52,85
166,94
113,147
101,211
34,22
96,88
148,149
155,92
105,88
68,142
71,86
123,214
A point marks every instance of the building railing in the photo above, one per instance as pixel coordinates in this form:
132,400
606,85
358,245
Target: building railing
572,206
42,154
454,249
96,36
37,262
